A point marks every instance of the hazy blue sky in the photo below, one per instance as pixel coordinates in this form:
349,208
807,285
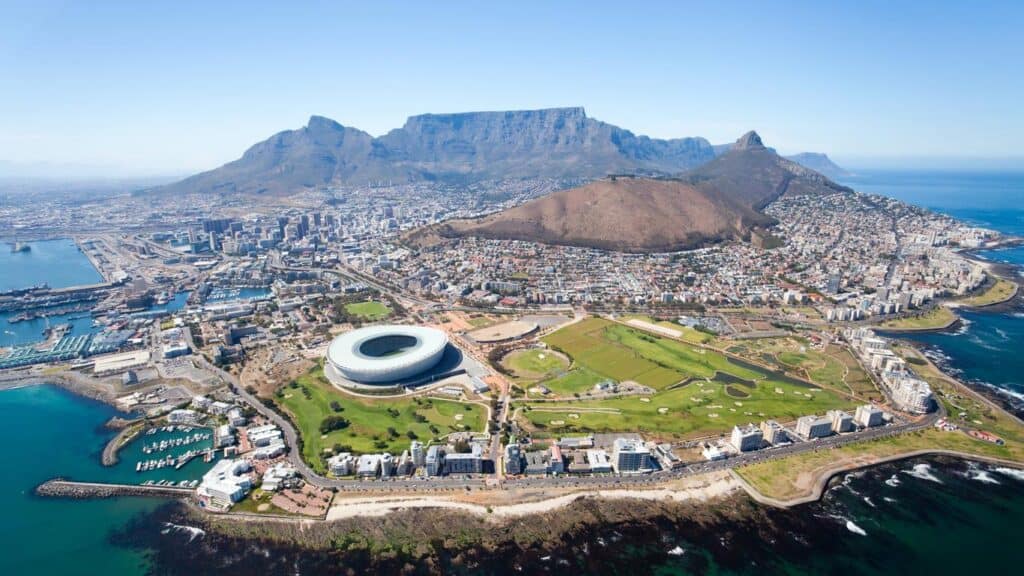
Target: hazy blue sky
136,88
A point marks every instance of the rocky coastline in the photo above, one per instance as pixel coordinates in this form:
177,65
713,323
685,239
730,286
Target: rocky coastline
732,534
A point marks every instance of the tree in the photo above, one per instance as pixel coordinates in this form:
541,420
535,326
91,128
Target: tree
411,435
336,406
332,423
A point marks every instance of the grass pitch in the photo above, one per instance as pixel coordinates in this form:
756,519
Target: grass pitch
370,310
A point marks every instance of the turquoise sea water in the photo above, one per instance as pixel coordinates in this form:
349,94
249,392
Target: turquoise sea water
49,433
53,433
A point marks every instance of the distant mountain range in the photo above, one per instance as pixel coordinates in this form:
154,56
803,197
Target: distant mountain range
472,146
820,163
719,200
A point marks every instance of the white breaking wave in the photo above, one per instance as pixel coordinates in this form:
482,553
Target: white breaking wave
889,500
1011,472
894,481
192,531
677,551
922,471
869,502
854,528
963,327
849,478
984,477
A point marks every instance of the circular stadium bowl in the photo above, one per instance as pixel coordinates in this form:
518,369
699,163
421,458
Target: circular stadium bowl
382,355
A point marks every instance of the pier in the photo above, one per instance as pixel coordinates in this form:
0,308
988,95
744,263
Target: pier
58,488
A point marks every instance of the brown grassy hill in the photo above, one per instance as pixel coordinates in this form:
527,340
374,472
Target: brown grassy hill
626,214
719,200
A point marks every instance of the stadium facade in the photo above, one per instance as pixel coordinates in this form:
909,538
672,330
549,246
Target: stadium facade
381,356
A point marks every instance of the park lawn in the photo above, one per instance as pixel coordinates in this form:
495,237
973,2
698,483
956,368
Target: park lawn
859,382
825,368
698,408
532,365
369,418
1001,291
370,309
578,381
938,317
793,476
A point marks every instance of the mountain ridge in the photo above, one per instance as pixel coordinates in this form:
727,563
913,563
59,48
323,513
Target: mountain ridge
462,146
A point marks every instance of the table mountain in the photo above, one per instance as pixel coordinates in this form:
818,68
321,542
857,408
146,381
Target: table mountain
556,143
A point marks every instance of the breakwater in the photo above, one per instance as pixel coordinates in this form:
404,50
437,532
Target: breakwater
58,488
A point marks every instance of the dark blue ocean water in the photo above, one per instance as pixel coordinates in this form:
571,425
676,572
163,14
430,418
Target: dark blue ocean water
991,199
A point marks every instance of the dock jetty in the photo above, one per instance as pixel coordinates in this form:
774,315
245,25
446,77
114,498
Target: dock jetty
59,488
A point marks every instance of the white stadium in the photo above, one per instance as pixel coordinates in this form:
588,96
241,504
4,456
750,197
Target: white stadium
383,355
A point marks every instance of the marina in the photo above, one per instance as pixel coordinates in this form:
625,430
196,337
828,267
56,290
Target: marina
168,451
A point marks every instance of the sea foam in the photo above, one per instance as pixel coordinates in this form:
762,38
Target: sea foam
192,531
1011,472
854,528
922,471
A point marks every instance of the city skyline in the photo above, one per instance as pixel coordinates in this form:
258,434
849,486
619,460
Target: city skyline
127,91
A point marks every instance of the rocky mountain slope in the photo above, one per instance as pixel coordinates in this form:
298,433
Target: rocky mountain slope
556,143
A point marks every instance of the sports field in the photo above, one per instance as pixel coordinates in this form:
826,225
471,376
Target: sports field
309,400
533,365
370,310
698,391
